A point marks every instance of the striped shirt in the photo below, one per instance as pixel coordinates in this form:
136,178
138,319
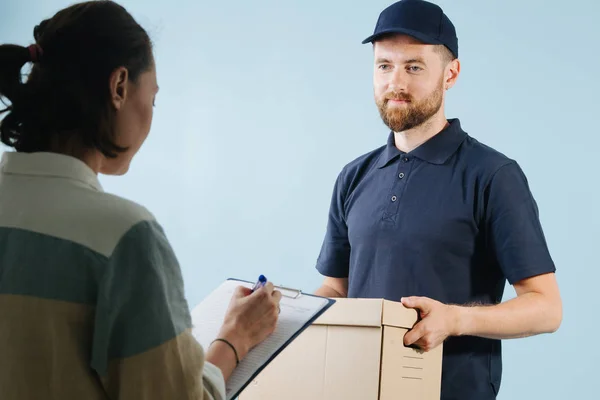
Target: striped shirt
92,302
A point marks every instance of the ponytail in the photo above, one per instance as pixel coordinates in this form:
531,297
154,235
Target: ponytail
12,60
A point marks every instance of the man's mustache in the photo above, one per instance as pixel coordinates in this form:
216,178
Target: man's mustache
397,96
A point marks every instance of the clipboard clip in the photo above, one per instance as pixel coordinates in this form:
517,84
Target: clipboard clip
289,292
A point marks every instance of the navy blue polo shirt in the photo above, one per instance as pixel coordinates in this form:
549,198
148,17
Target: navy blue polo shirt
452,220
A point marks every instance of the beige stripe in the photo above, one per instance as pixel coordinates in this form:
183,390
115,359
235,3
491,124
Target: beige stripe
173,370
45,347
67,209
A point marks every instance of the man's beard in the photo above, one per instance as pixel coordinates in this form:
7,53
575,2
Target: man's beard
400,119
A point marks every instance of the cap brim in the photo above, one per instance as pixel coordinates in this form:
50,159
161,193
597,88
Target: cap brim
417,35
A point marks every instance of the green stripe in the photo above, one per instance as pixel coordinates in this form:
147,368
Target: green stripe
34,264
137,292
141,303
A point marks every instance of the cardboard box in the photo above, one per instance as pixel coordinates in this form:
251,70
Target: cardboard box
354,351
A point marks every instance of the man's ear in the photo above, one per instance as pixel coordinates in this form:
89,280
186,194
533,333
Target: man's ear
118,87
452,72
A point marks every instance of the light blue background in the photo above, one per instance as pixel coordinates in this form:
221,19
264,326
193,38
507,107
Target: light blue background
263,102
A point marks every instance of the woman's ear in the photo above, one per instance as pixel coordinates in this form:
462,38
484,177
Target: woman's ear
118,87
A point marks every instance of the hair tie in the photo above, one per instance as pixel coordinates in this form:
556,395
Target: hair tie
35,53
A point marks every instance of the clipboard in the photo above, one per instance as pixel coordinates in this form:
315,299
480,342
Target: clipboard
298,311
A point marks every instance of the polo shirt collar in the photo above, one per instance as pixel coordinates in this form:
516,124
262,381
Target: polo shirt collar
437,150
48,164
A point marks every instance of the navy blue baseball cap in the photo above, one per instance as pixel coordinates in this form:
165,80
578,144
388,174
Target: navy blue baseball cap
420,19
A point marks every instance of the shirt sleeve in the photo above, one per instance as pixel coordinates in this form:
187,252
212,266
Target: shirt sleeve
514,231
142,347
334,257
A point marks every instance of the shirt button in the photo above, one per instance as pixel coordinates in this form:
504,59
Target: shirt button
401,175
394,198
405,159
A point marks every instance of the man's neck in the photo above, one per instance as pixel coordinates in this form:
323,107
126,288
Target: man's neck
409,140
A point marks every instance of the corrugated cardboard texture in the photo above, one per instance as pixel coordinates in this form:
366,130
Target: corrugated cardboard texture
297,373
407,373
368,312
323,363
353,312
354,351
351,374
395,314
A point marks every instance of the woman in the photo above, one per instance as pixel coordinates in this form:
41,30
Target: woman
91,296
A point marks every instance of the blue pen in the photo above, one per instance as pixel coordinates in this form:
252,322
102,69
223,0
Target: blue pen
260,283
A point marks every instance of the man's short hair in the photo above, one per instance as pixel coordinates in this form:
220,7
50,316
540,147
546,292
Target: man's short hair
445,53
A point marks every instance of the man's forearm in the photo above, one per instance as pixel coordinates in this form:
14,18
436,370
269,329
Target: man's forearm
526,315
327,291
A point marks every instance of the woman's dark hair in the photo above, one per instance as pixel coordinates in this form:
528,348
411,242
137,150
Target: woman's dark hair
67,92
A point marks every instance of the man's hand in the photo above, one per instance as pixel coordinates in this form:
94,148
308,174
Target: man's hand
537,309
438,321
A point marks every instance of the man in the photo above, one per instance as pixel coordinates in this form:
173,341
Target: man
436,219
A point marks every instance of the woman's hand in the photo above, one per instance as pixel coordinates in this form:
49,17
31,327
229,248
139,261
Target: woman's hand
250,319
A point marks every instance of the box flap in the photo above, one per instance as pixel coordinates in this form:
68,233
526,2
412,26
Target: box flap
353,312
395,314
